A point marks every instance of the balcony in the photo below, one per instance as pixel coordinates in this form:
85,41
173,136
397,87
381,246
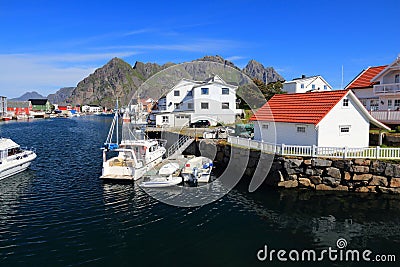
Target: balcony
387,89
387,116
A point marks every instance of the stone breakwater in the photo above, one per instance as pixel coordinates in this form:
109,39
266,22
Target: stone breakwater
356,175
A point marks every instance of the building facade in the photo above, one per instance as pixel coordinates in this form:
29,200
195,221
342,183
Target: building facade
189,101
378,88
306,84
324,119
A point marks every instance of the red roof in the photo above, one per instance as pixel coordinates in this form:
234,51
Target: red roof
308,108
363,80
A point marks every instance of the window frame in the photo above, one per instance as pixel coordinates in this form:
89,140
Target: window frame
301,129
204,103
226,90
226,104
203,92
177,93
346,103
344,127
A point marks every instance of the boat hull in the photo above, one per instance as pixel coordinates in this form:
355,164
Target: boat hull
126,172
162,182
9,168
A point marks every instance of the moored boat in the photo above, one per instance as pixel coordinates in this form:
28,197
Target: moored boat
136,153
197,169
13,159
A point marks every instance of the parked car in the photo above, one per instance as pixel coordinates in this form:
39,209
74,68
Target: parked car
200,124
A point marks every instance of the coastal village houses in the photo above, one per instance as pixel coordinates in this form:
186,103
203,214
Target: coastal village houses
324,119
378,89
306,84
189,101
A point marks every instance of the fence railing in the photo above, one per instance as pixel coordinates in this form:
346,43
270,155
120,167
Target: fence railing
316,151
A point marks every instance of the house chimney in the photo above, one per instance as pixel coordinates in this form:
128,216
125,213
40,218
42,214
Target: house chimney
303,76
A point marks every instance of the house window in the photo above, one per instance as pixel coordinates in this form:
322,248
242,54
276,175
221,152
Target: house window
390,103
344,130
176,93
225,105
313,86
204,105
265,126
345,102
397,78
190,106
374,104
190,93
325,87
301,129
225,91
204,91
302,86
364,102
397,104
165,119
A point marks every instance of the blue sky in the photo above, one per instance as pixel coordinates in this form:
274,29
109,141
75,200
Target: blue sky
46,45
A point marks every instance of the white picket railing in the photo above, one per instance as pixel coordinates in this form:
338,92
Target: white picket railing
315,151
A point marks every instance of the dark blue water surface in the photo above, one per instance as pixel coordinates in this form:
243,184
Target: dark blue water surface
59,213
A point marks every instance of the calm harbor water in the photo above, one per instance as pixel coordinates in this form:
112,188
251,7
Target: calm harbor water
59,213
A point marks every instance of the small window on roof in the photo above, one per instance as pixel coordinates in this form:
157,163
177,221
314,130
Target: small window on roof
345,102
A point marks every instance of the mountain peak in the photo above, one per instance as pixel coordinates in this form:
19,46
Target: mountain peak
28,95
257,70
218,59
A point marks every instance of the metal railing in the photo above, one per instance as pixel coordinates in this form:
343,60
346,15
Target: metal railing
386,115
316,151
389,88
177,145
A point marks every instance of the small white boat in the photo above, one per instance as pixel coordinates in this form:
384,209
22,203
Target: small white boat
13,159
162,182
197,169
168,169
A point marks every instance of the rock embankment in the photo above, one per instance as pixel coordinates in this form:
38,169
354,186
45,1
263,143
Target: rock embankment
356,175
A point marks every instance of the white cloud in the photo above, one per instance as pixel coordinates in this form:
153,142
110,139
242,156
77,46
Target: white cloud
233,58
46,73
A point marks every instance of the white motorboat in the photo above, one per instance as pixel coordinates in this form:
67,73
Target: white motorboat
136,154
168,169
197,169
13,159
162,181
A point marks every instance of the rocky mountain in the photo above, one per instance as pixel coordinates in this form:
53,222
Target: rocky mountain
61,96
27,96
218,59
119,79
266,74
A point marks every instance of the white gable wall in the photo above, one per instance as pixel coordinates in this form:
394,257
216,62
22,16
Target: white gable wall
286,133
329,134
215,113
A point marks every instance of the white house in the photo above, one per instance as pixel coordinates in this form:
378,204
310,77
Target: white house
91,109
189,101
378,88
306,84
325,119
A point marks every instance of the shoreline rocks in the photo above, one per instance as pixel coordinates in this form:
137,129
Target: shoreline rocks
353,175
